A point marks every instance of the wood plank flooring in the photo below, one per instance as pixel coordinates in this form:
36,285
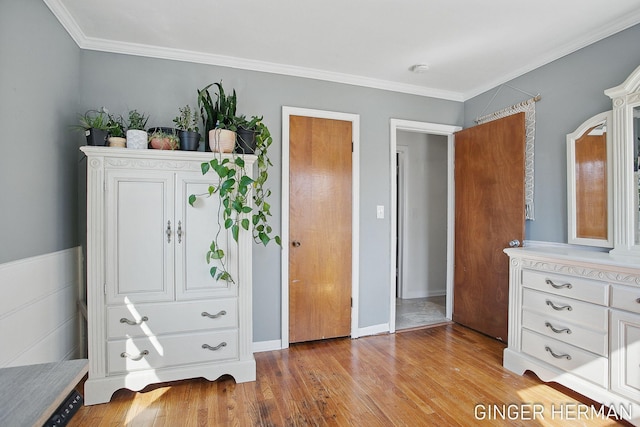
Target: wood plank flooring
441,376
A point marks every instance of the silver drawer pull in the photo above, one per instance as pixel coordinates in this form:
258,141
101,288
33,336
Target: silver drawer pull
558,356
136,358
218,347
564,285
559,307
213,316
133,322
557,331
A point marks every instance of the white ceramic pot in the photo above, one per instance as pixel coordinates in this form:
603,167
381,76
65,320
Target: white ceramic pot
222,140
137,139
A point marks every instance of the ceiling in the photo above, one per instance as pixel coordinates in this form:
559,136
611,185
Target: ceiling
470,46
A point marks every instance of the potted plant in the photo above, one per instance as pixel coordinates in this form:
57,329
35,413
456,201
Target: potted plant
136,135
116,129
162,140
246,134
243,199
94,123
187,126
219,118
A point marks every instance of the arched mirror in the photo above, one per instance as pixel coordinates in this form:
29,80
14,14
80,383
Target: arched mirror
589,183
625,121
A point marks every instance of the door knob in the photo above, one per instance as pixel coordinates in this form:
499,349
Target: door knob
295,243
514,243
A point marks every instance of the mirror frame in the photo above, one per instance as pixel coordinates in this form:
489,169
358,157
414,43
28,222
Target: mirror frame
572,194
625,97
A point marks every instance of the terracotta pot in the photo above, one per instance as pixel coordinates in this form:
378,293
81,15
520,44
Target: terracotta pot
161,144
222,140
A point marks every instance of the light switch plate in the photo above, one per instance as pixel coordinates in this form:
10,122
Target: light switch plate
380,212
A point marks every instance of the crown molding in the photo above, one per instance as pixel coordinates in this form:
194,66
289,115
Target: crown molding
564,50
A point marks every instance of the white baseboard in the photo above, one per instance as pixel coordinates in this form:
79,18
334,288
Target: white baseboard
382,328
272,345
38,315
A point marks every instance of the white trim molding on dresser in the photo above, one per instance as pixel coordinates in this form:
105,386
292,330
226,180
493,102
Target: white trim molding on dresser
574,318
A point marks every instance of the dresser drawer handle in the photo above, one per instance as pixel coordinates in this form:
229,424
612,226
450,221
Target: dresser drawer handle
138,357
557,331
133,322
559,307
213,316
557,356
564,285
218,347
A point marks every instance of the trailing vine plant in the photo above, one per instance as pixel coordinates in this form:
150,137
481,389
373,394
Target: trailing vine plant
243,200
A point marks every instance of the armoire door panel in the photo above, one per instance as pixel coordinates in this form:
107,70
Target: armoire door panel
197,230
141,237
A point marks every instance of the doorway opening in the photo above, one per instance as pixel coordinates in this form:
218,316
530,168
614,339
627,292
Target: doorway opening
422,215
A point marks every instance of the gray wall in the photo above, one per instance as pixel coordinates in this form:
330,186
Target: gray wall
159,87
572,90
39,83
426,217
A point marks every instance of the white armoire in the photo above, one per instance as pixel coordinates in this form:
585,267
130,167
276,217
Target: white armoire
154,313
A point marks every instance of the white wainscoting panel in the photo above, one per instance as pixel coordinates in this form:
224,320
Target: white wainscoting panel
39,319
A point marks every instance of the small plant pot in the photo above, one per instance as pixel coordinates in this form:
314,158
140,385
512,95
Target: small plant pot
222,140
96,137
246,142
137,139
161,144
189,140
117,141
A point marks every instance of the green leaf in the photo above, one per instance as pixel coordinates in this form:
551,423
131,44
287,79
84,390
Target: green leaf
245,181
239,161
227,184
213,271
205,168
246,209
212,189
278,240
234,231
219,254
192,199
264,238
228,223
245,224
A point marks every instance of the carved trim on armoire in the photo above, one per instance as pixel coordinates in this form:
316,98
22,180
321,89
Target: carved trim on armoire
154,164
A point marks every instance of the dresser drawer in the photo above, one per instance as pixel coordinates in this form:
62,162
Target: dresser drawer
135,354
625,298
566,309
139,320
566,357
572,287
588,339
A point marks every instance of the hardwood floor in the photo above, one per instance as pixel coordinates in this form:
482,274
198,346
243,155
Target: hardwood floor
442,376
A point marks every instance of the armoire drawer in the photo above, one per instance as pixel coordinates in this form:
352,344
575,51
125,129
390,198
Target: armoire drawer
139,320
579,336
582,363
135,354
567,309
625,298
568,286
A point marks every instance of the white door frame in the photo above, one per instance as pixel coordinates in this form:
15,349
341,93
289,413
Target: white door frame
434,129
355,211
401,212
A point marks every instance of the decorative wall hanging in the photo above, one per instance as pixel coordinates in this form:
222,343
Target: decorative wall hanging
529,108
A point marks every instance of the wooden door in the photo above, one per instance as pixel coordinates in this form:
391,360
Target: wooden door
319,228
489,187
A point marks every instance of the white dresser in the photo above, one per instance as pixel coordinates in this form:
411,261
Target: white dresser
154,313
574,318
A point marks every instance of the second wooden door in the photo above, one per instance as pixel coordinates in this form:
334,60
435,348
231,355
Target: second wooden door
489,186
320,153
